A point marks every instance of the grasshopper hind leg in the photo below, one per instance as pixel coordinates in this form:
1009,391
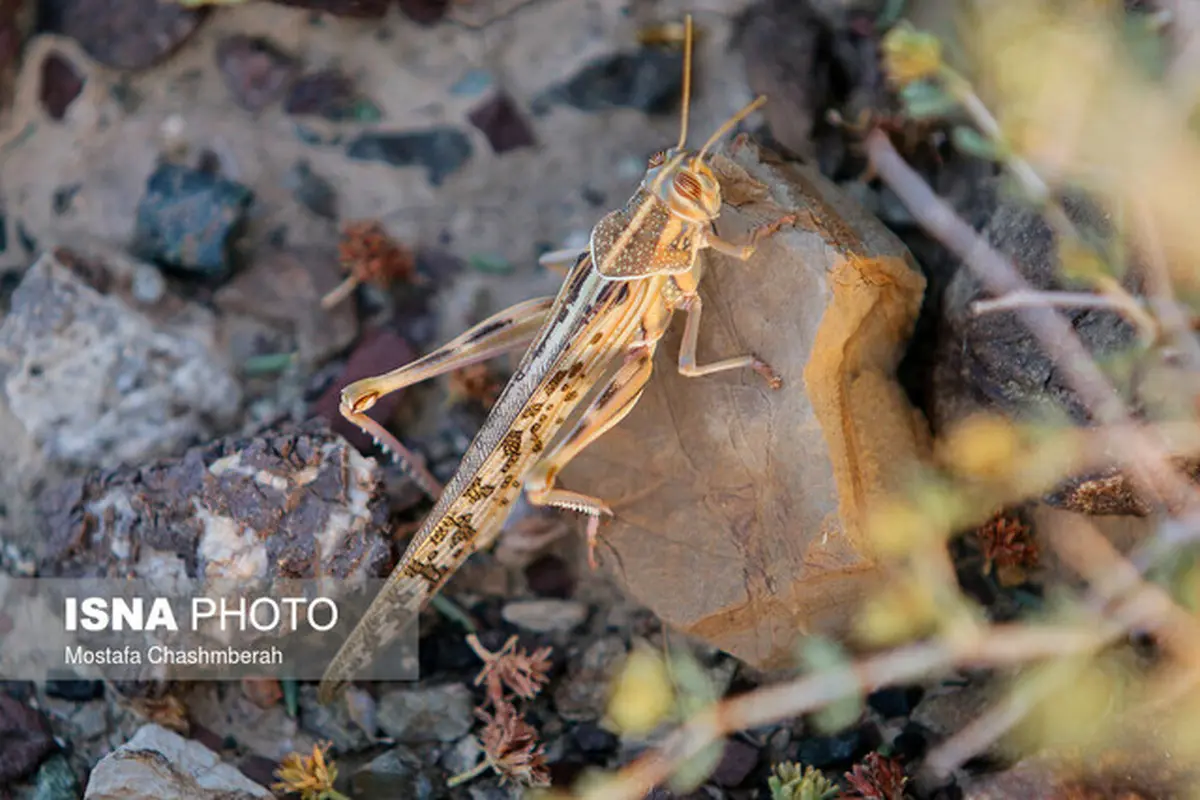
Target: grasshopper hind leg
611,406
508,330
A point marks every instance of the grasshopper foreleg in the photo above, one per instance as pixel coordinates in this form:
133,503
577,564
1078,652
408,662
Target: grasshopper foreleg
508,330
742,252
687,350
613,403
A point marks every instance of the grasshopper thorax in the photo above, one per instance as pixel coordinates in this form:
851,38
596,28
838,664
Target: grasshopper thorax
685,184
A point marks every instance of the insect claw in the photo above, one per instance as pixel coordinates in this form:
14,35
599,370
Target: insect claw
593,532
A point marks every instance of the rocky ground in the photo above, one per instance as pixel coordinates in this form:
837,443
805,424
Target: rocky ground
182,186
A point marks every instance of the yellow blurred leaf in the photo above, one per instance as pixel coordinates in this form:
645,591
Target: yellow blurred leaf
642,694
984,447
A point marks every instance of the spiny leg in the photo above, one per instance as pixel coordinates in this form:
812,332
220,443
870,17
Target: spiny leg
616,400
687,350
743,252
508,330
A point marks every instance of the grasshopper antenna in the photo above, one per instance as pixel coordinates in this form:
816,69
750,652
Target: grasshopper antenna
728,126
687,80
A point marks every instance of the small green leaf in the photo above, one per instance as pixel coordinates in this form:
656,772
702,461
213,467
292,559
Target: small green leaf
267,364
925,100
490,264
453,612
291,696
824,655
973,143
363,110
693,772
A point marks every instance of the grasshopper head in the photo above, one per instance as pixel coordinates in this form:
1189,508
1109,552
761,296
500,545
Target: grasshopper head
685,183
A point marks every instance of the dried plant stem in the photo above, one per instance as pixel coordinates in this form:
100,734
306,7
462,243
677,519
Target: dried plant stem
995,646
988,727
340,292
1113,578
1150,467
1035,298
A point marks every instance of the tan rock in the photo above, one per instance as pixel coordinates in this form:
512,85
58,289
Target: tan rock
740,511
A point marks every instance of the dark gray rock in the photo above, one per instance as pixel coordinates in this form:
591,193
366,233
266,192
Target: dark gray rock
441,151
56,780
427,714
991,362
649,80
396,773
25,739
188,220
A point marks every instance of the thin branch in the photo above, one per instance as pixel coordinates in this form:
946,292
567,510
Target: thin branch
1040,299
1151,469
988,727
996,646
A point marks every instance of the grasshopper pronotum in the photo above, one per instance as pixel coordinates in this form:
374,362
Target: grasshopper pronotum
641,267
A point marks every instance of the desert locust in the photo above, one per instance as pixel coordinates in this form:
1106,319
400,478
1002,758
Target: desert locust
641,266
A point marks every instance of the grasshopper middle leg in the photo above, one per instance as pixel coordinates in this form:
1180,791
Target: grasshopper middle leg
687,350
508,330
611,406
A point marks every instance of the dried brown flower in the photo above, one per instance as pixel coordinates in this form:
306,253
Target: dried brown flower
877,778
311,777
370,256
168,711
1005,542
524,674
511,747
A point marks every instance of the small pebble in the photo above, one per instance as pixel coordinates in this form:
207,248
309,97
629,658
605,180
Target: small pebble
462,756
895,701
79,691
424,12
255,71
502,123
825,751
592,739
329,94
123,34
311,190
56,780
737,761
188,219
649,80
430,714
441,151
26,738
473,82
546,615
147,285
394,774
